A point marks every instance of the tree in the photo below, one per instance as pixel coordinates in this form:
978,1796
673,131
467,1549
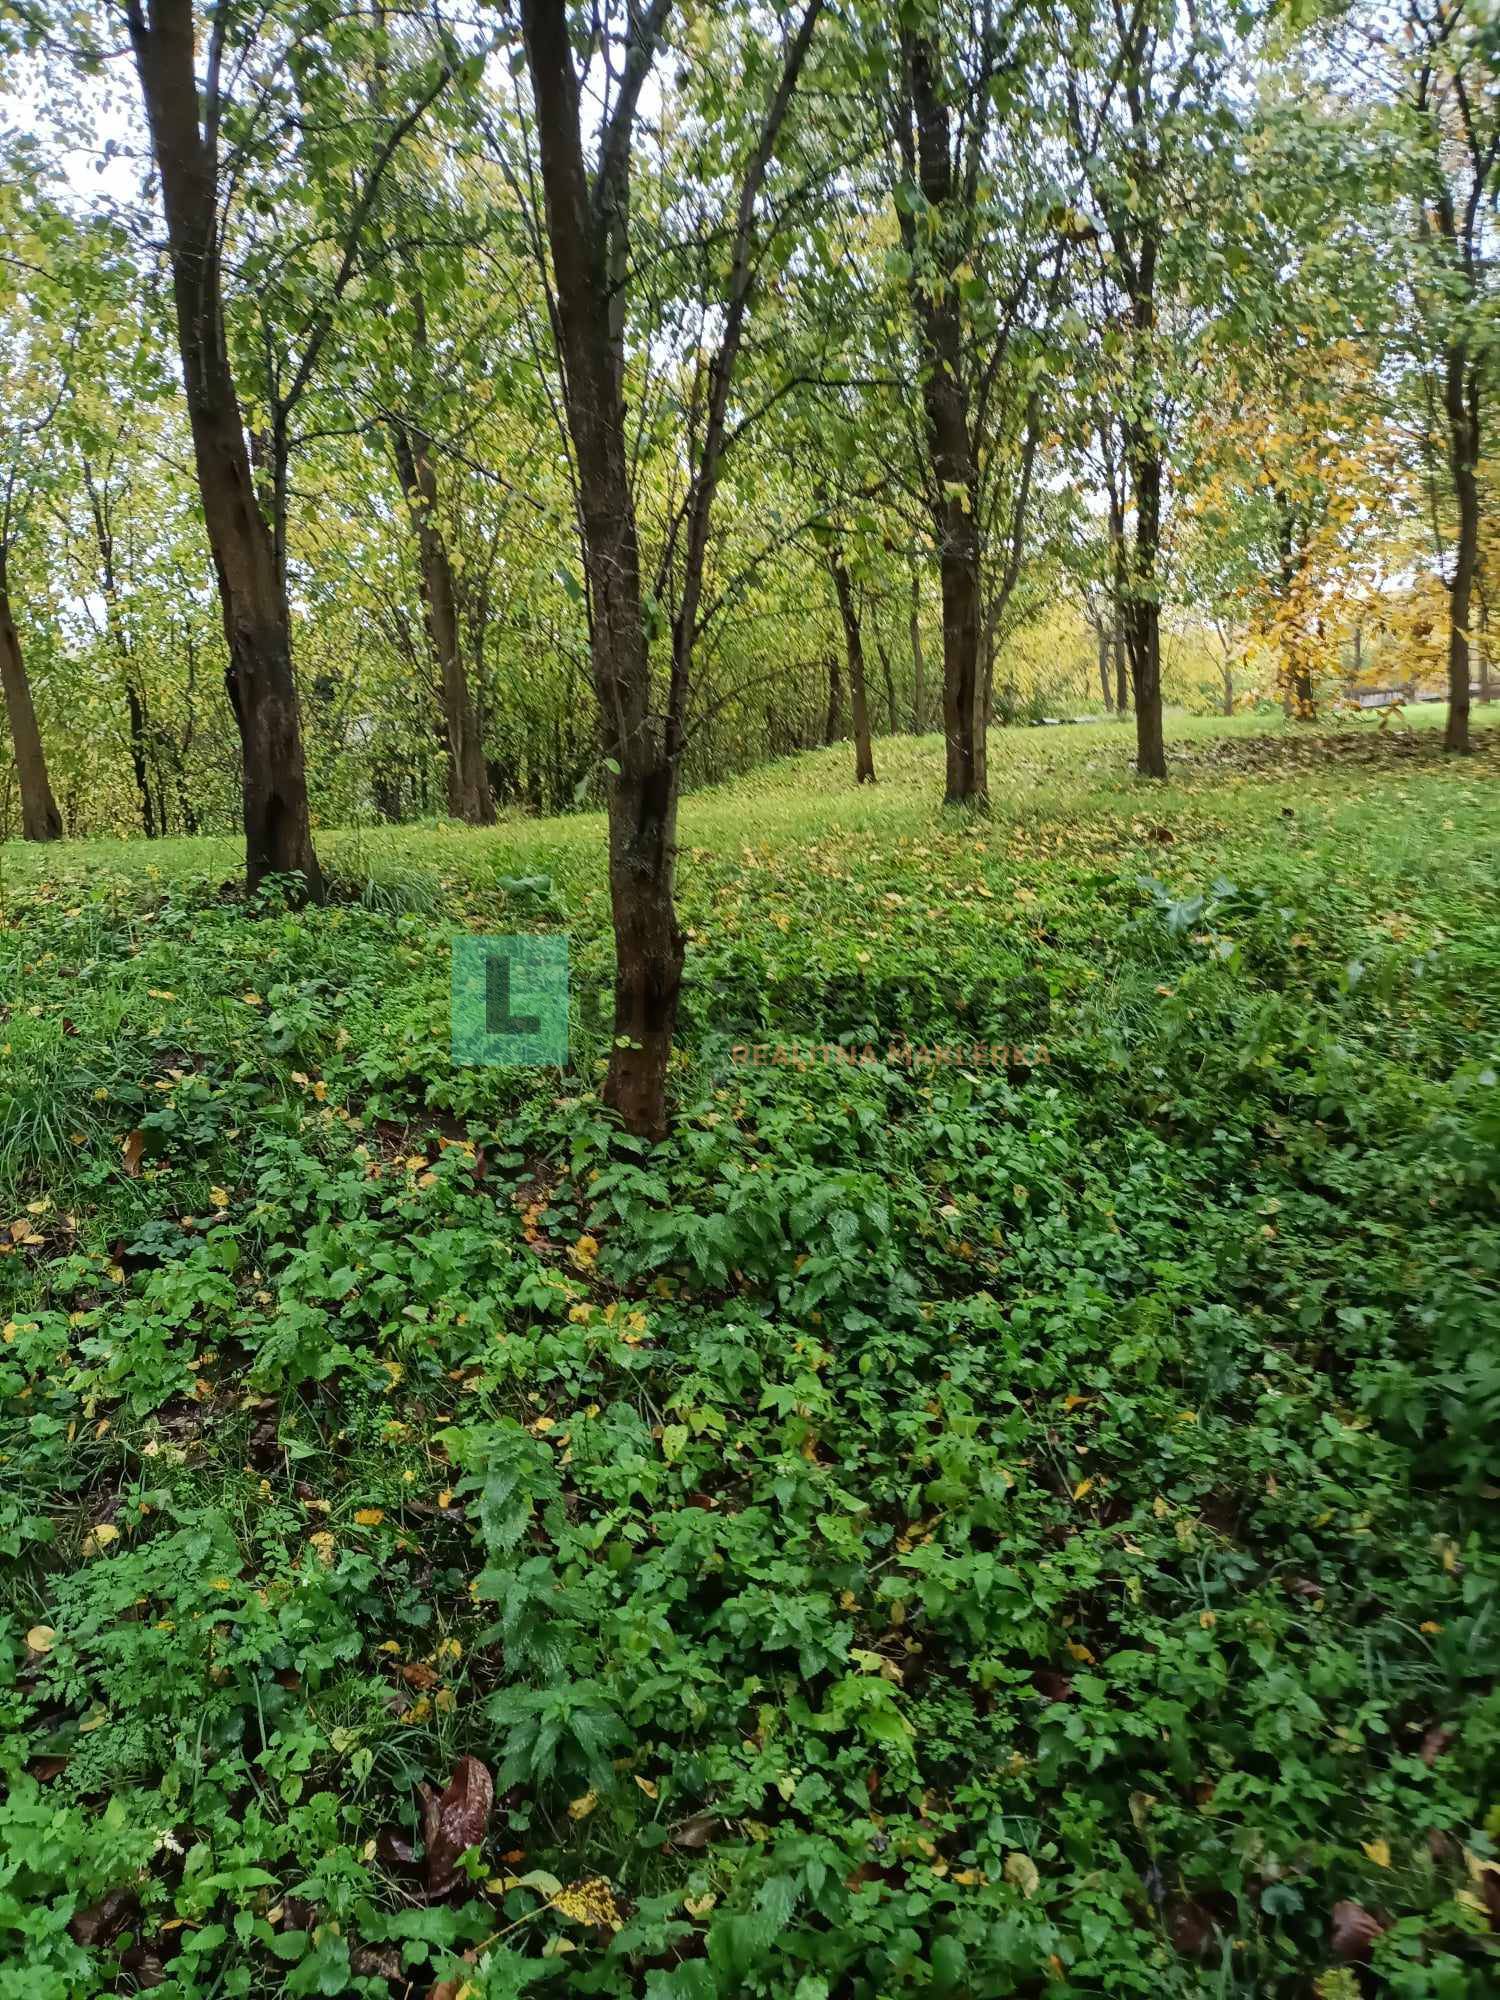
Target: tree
185,142
642,740
39,329
1148,127
40,819
1448,79
973,242
854,654
468,779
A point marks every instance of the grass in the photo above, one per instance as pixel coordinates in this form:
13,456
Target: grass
946,1522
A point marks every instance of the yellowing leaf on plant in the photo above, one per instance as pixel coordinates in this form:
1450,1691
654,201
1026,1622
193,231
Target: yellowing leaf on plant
580,1808
1379,1852
589,1902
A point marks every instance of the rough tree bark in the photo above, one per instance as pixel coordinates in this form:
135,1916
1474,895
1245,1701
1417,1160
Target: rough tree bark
257,628
40,819
1142,611
924,136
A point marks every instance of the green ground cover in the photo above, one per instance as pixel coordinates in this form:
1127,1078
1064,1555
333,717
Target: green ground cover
1012,1512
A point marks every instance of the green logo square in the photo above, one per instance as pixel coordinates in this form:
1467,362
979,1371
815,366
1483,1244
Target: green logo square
510,1001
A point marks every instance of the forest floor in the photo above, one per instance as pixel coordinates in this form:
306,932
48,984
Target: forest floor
1013,1513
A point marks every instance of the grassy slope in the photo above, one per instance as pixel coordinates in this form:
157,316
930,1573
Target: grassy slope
965,1530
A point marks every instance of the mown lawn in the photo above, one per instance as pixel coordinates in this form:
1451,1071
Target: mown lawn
947,1522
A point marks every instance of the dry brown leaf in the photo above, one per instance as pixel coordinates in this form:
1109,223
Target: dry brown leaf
1352,1932
455,1822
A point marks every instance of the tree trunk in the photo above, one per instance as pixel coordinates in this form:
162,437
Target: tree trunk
1142,612
833,722
40,819
954,497
1104,687
469,796
1228,672
1461,404
257,628
1145,650
644,769
967,781
987,677
136,713
587,231
918,665
854,649
889,678
135,706
1119,567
